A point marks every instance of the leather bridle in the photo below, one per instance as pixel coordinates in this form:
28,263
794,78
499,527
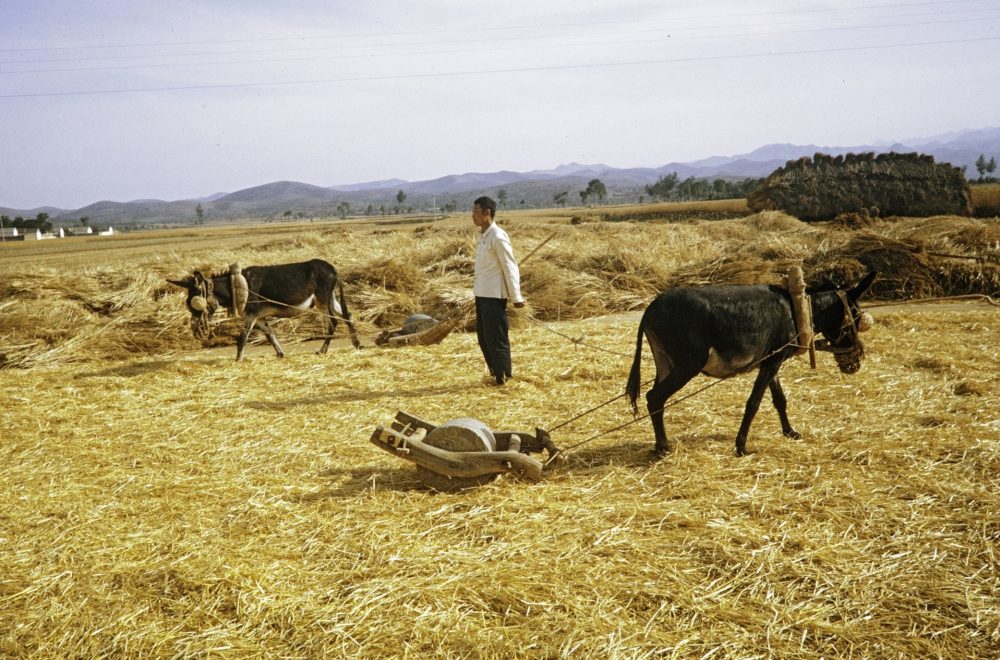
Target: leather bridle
848,357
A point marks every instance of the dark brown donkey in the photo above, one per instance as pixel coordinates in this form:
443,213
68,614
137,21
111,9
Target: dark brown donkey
260,292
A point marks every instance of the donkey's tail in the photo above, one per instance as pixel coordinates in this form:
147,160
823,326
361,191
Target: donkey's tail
347,314
632,387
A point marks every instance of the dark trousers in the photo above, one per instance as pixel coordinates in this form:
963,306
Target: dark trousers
491,329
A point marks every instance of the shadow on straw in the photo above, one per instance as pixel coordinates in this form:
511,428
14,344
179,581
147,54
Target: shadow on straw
130,370
639,453
360,480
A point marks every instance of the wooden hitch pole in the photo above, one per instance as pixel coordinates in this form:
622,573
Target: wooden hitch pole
239,289
537,248
802,311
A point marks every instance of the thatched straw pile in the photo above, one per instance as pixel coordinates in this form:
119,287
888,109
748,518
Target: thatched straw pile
823,187
186,505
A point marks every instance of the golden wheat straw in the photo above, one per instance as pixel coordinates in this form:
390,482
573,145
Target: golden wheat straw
163,500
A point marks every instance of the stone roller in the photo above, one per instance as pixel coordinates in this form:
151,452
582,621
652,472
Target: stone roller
463,452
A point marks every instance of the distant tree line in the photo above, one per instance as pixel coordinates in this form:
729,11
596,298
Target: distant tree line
671,188
41,221
986,168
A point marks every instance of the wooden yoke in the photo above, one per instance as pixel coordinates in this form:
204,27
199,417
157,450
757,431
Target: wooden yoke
802,313
239,288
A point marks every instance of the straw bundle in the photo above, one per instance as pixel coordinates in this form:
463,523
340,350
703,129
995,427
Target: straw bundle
986,200
886,184
726,271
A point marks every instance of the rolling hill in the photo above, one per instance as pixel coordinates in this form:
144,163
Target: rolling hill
536,188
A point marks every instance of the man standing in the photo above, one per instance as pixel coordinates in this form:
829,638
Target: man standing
497,279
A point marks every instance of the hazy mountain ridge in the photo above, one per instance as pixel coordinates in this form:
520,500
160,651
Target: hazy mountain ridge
534,188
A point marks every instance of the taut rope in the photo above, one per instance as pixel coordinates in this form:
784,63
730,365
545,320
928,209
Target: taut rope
670,404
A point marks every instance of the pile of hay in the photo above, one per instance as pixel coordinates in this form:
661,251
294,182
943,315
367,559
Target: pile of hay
917,258
888,184
103,309
49,316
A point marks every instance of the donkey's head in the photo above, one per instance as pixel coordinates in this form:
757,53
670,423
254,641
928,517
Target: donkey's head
201,302
837,316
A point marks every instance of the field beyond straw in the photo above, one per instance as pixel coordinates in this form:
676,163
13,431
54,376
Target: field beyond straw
160,499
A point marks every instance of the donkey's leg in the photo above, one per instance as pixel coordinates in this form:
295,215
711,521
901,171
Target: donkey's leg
781,405
331,327
248,323
656,399
271,337
672,373
764,378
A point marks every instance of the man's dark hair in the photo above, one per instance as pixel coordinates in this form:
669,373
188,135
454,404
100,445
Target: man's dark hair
487,204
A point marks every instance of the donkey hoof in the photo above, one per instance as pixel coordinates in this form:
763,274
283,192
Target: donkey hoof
659,453
793,434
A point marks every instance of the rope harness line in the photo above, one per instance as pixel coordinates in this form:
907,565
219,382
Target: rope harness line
578,341
595,408
253,296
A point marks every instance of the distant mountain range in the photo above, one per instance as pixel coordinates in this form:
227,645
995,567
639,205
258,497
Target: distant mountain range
290,199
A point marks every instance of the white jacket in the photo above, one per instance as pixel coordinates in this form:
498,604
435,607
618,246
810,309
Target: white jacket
497,274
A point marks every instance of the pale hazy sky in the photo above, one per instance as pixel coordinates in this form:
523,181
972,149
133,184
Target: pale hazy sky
133,99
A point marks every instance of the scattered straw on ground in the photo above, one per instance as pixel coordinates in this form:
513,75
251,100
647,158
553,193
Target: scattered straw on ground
187,505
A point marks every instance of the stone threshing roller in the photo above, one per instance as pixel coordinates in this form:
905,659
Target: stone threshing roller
463,452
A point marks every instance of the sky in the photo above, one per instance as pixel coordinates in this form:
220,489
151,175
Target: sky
135,99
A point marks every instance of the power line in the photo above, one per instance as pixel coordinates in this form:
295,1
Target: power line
493,48
707,58
819,10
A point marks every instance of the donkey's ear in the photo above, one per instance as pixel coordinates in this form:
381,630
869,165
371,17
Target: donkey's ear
862,286
184,284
